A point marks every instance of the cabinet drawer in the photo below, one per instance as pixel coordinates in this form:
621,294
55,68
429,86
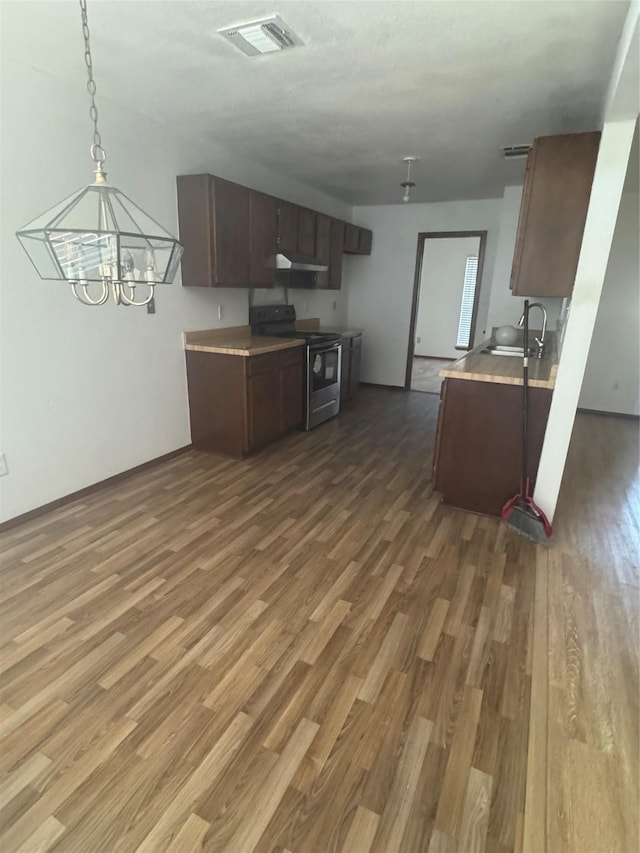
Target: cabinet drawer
257,364
291,357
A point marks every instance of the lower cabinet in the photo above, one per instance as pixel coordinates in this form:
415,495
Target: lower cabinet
292,394
345,362
477,458
238,404
350,366
263,397
354,367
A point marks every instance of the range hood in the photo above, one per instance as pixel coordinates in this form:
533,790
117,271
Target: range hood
292,262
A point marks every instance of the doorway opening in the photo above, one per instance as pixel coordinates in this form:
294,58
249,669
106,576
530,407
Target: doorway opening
446,293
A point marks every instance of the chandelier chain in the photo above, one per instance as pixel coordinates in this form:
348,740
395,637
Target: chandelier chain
97,151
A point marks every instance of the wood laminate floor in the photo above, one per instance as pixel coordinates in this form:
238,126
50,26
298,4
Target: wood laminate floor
302,652
582,788
425,374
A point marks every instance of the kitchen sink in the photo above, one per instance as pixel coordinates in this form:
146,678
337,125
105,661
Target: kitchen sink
499,349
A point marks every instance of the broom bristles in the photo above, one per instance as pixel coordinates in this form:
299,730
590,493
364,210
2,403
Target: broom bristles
530,525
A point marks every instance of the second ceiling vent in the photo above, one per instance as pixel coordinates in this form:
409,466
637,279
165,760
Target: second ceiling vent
513,152
268,35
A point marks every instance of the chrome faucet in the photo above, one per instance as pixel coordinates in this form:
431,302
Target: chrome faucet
539,341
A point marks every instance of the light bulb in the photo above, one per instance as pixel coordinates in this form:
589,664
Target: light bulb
150,265
405,197
128,267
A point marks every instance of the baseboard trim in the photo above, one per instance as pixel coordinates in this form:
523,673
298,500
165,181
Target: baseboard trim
88,490
380,385
609,414
441,357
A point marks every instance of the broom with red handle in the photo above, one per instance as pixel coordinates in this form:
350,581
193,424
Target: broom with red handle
521,512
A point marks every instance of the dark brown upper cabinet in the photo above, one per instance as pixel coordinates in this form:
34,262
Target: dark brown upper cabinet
288,227
351,238
323,248
365,241
263,239
231,235
306,231
553,211
337,249
357,241
214,230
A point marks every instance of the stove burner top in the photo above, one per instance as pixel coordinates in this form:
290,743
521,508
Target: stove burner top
311,336
279,321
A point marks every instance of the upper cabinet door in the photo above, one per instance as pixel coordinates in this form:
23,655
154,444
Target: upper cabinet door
288,227
306,231
263,239
323,248
365,240
195,216
232,227
552,214
214,229
337,248
351,239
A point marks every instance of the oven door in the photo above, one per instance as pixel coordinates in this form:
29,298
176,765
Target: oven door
323,382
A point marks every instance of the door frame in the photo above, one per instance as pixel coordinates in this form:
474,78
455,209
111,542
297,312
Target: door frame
432,235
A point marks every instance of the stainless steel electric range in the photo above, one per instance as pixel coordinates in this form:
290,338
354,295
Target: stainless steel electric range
323,358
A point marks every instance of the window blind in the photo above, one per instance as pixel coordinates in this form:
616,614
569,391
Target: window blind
468,298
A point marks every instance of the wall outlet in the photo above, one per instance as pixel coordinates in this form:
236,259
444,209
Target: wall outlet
418,340
4,468
335,305
220,312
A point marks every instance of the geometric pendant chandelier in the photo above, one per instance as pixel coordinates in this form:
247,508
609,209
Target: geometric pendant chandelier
97,239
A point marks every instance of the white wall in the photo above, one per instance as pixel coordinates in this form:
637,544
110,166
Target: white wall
604,204
612,377
441,284
329,305
380,287
620,125
89,392
505,308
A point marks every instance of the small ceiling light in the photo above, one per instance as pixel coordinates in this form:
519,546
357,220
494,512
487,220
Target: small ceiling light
408,184
99,235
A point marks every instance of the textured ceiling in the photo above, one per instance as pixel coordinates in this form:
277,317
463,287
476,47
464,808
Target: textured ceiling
447,81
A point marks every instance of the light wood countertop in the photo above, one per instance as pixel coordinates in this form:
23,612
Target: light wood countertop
236,340
506,370
312,324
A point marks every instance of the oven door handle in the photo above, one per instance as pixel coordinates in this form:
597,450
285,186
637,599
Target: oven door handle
324,346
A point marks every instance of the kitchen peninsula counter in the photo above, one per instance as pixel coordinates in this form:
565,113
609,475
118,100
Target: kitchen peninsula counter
503,369
236,340
478,452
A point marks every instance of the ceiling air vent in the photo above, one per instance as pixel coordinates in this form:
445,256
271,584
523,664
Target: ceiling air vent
511,152
268,35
